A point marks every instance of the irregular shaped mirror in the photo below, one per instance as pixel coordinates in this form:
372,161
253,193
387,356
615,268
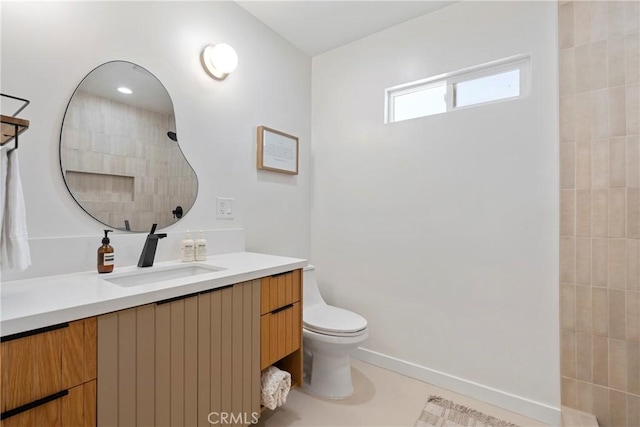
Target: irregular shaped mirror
119,151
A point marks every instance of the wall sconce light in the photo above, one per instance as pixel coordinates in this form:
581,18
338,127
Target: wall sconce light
219,60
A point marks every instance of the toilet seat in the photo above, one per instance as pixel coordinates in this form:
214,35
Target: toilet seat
328,320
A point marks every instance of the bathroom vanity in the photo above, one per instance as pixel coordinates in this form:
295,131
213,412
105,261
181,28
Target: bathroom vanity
79,349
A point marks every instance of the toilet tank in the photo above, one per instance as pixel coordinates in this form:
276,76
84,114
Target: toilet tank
311,293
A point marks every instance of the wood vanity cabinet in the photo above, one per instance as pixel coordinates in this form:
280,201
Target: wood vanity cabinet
182,362
49,376
281,323
191,360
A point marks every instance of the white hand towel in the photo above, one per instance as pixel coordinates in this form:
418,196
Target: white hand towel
14,242
275,387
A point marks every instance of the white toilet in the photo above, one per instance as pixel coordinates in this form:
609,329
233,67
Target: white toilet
329,334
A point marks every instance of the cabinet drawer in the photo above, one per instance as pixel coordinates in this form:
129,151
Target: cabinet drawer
39,363
280,290
69,408
280,333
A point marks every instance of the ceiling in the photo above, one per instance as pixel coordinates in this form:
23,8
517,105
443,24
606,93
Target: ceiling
318,26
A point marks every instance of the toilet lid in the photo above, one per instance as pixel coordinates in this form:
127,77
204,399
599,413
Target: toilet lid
330,320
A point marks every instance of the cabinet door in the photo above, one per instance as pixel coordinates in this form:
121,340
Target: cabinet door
176,354
127,367
246,352
229,354
147,373
214,333
176,362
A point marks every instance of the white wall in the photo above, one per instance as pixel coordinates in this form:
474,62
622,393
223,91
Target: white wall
442,231
48,47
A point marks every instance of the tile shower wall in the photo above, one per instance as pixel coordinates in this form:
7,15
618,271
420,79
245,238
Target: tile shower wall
136,163
600,208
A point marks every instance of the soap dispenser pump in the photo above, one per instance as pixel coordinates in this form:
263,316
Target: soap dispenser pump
106,257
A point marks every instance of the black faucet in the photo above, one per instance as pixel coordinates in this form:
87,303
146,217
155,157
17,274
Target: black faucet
150,245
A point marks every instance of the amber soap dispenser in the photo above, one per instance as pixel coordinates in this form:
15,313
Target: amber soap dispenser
106,256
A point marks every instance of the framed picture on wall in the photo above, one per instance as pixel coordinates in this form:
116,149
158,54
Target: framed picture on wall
277,151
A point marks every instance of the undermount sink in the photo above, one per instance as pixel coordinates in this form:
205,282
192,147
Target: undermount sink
161,274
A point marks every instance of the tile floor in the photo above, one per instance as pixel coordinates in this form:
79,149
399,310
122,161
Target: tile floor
382,398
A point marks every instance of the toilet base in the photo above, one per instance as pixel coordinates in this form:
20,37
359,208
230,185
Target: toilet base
330,378
328,357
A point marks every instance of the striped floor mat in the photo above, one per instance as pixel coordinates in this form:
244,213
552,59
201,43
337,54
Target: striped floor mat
445,413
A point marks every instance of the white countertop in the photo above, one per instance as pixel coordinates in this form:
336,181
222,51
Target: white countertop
34,303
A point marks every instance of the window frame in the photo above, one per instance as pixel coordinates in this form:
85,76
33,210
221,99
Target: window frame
521,62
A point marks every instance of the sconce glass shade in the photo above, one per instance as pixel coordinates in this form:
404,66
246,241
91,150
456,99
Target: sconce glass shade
219,60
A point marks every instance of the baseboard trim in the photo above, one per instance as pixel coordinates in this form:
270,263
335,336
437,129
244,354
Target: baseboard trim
521,405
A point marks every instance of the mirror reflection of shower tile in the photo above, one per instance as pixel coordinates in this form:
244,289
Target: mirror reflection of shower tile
111,135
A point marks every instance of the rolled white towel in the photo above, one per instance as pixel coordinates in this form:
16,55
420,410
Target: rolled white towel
275,387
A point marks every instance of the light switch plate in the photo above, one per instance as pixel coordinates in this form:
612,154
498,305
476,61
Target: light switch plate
224,208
